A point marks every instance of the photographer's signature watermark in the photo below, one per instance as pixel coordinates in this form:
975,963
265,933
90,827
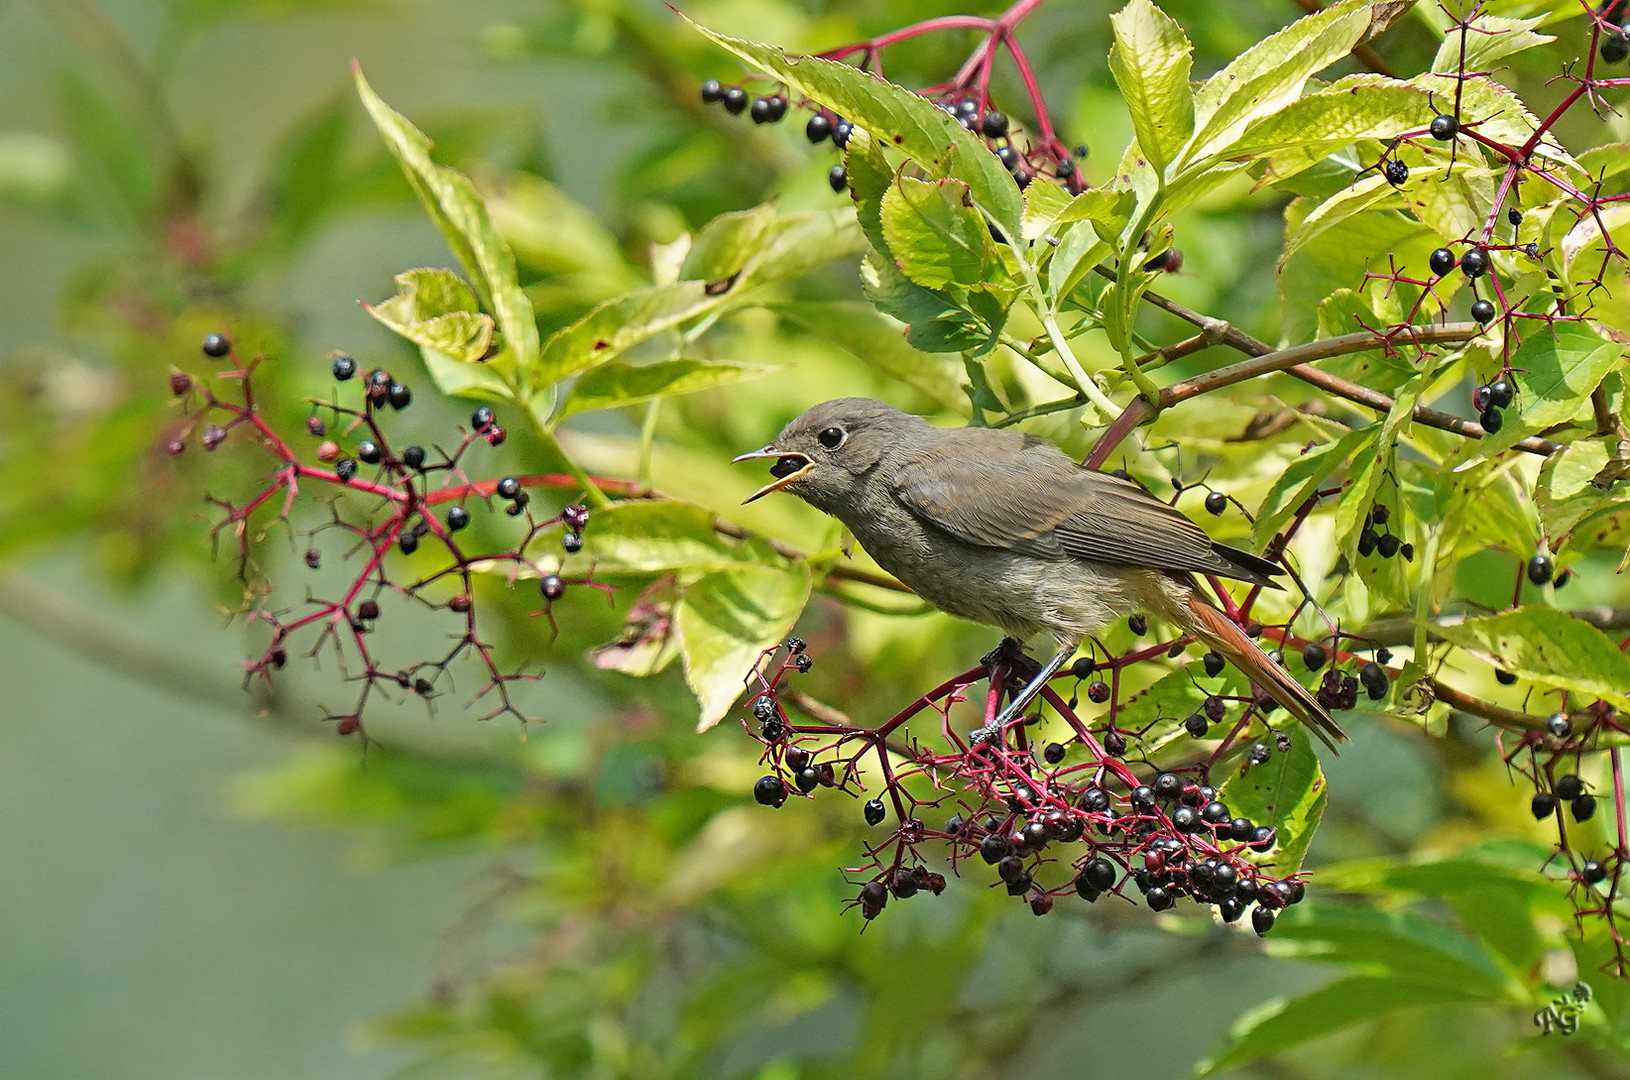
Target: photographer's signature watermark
1563,1013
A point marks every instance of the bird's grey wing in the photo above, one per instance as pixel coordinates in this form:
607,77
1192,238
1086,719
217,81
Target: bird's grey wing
1060,510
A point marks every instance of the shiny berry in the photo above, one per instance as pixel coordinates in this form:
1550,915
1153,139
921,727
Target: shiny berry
837,178
1262,838
1396,172
345,469
1215,813
552,587
993,125
1504,678
1216,502
1168,785
1097,692
1491,420
408,542
712,91
1592,872
1441,261
1185,819
873,811
1483,312
994,848
400,396
1558,725
1501,393
344,368
508,487
1099,873
413,457
1195,725
1138,624
572,543
1480,398
1158,898
770,791
482,418
1314,656
216,346
1539,569
1053,754
1475,263
368,452
735,100
840,133
1261,920
1443,127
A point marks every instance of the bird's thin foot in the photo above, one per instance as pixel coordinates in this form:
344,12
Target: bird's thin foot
1007,653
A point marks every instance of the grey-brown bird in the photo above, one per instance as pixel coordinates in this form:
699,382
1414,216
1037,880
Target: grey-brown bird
1003,528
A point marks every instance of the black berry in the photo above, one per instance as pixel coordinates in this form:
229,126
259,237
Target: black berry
1483,312
1491,420
735,100
994,848
573,543
1480,398
368,452
551,586
508,487
1195,725
1583,807
1053,754
1168,785
1592,872
1558,725
1262,838
399,395
1568,787
1396,172
482,418
457,518
216,346
1539,569
1158,898
1475,263
408,542
873,811
1314,656
1374,679
345,469
1097,692
1139,624
1214,813
840,133
1216,502
1441,261
1615,47
712,91
993,124
1261,920
1504,678
1099,873
818,128
1213,663
413,457
1501,393
838,178
1443,127
344,367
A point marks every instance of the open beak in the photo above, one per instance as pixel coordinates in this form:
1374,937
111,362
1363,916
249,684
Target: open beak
787,468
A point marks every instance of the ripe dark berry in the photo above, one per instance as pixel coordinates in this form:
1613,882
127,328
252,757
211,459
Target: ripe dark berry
1097,692
1367,539
1168,785
400,396
1215,708
1213,663
1216,502
344,368
1115,744
1475,263
1195,725
345,469
1504,678
1095,800
1396,172
1568,787
368,452
1185,819
1592,872
1539,569
1084,889
1483,312
735,100
1083,667
1562,579
1143,796
1441,261
1314,656
994,848
1583,807
770,791
803,663
457,518
1386,545
993,124
508,487
1408,552
1480,398
408,542
1034,836
413,457
1215,813
216,346
873,811
1262,838
572,543
838,178
1009,158
551,586
1011,869
1064,169
1443,127
1139,624
1558,725
1158,898
808,779
482,418
840,133
1053,754
1501,393
1231,909
1020,887
764,708
1099,873
1241,829
1491,420
768,110
1615,47
712,91
874,894
1261,920
1375,681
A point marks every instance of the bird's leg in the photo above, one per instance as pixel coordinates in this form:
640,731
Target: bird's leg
1025,696
1009,653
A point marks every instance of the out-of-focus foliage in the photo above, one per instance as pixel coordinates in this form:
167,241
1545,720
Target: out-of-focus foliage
649,287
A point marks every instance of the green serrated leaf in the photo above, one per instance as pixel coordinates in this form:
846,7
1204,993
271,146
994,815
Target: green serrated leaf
437,309
893,115
661,537
862,330
1287,792
935,323
1371,193
1487,38
1270,75
1150,61
461,215
1560,369
726,620
614,384
622,322
937,239
1546,647
1303,477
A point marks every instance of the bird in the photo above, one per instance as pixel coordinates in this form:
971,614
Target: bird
1001,527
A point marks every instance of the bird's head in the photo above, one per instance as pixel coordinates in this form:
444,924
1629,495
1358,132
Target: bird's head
825,454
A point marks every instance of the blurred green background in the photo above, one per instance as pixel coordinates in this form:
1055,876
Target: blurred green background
593,899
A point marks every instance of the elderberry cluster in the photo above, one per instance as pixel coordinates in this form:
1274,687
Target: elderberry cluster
1489,400
1022,160
1046,825
1377,536
413,497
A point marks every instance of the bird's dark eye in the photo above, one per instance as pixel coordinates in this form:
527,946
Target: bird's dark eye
831,438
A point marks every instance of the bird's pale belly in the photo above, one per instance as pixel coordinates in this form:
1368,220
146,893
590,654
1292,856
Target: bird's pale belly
1023,595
